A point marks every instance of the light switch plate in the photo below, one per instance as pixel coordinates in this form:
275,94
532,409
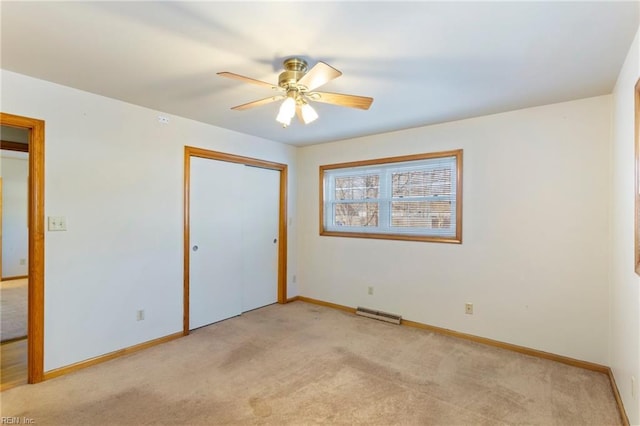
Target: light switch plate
57,223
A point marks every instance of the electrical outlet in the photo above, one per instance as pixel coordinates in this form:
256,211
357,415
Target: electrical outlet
468,308
140,315
163,119
23,262
370,291
294,279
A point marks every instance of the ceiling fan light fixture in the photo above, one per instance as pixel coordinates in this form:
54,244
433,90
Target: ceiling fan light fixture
287,111
309,115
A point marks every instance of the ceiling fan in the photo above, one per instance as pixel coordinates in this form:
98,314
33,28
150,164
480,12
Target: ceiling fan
297,87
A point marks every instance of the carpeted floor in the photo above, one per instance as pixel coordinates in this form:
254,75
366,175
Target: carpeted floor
302,364
13,308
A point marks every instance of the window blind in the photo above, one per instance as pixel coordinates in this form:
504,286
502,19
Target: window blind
415,197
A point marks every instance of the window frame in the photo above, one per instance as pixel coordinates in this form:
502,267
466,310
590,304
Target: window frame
385,162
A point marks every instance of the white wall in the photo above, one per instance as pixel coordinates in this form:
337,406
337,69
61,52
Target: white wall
534,258
625,284
14,170
116,174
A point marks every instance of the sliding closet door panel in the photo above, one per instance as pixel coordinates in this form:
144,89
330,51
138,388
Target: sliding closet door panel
260,237
215,282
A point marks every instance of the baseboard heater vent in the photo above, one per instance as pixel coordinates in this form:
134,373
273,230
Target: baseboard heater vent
382,316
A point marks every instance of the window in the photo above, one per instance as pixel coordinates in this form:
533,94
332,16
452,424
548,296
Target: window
416,197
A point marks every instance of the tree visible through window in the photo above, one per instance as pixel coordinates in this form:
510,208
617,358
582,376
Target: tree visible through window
414,197
352,192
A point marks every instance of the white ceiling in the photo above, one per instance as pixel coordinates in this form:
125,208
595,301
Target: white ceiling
422,62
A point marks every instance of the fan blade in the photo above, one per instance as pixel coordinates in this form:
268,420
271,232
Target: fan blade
247,79
258,103
320,74
299,114
351,101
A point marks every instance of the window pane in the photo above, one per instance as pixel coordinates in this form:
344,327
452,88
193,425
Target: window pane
356,214
421,183
359,187
414,197
421,214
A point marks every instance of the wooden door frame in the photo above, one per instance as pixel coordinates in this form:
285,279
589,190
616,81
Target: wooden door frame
189,152
35,324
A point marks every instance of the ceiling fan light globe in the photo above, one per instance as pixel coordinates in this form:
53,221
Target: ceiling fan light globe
309,115
283,119
288,108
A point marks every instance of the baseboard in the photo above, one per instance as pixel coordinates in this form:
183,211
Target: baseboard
108,357
17,277
293,299
511,347
503,345
13,340
616,395
14,384
327,304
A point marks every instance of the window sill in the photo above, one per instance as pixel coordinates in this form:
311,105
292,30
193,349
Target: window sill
400,237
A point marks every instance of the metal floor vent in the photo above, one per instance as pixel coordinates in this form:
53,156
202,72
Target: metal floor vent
382,316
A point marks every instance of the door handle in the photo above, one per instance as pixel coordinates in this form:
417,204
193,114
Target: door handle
195,248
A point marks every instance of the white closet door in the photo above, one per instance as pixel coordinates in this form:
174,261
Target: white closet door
260,243
215,267
233,225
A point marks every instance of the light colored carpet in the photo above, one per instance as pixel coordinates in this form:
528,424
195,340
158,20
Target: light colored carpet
13,307
302,364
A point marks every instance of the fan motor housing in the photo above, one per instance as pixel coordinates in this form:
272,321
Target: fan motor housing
295,69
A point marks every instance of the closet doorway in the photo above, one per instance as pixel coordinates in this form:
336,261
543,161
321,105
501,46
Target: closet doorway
235,235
